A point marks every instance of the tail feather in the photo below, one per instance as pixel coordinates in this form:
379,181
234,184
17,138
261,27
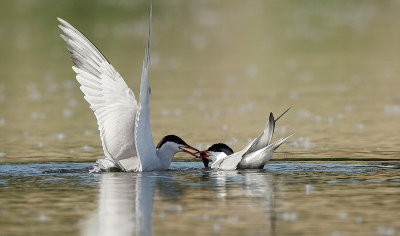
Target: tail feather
282,114
278,142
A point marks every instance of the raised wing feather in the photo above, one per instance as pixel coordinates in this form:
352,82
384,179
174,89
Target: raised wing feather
264,138
260,157
143,137
113,103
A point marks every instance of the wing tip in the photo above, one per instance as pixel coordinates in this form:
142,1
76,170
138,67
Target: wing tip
63,37
282,140
63,22
271,117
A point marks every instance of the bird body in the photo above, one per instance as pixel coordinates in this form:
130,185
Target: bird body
124,124
253,156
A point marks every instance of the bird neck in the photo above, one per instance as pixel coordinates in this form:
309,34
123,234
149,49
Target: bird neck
217,155
166,153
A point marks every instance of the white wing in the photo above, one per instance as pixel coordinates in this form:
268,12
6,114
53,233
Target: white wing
143,137
260,157
113,103
264,138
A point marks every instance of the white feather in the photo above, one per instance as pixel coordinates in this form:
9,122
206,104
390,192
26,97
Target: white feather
113,103
146,150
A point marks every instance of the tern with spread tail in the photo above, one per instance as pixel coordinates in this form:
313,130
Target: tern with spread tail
253,156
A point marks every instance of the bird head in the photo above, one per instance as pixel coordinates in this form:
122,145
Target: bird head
176,144
213,152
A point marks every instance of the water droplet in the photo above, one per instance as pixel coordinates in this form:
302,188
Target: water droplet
304,113
178,112
217,228
317,119
289,216
293,95
177,208
68,112
87,147
60,136
88,132
36,115
392,109
251,71
201,106
303,142
306,78
33,92
342,215
72,102
291,64
69,85
199,42
231,141
389,73
42,217
349,107
340,116
309,188
335,233
224,127
162,214
384,230
281,129
165,112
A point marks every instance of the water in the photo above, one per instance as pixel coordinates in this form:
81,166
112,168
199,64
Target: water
214,78
218,69
325,198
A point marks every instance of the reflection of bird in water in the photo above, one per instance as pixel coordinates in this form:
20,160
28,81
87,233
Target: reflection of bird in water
124,124
255,185
125,202
254,156
125,206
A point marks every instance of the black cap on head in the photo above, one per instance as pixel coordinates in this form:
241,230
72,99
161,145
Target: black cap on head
171,138
221,147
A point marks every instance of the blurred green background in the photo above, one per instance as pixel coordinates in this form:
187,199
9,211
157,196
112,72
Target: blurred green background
218,69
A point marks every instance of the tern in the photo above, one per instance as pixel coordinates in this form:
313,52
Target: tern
253,156
124,124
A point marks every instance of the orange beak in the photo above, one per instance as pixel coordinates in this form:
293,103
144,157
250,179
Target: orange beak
204,154
191,150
